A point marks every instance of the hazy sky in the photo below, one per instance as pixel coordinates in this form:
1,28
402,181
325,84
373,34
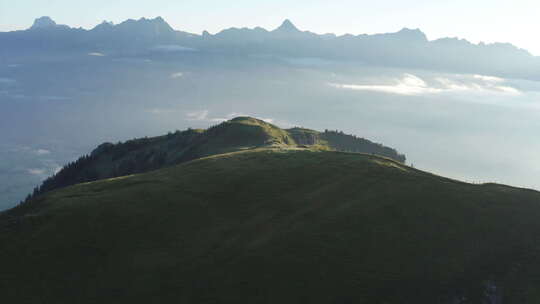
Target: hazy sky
479,20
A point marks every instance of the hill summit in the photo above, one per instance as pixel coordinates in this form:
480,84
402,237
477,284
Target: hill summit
241,133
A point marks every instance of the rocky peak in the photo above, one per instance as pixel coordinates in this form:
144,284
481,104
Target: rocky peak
44,22
287,26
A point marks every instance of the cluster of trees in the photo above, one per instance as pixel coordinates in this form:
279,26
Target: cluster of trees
123,158
351,143
76,172
340,141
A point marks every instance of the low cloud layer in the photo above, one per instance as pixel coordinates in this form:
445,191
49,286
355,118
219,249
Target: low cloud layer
412,85
204,116
172,48
197,115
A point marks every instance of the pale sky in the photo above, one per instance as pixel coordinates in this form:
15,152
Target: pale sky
514,21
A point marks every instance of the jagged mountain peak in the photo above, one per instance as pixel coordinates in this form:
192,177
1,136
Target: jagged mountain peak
105,25
287,26
108,23
46,22
156,21
143,26
412,34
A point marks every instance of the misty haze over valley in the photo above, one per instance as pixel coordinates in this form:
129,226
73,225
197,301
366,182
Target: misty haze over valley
463,110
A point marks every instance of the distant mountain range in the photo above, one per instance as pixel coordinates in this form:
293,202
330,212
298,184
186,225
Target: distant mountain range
408,48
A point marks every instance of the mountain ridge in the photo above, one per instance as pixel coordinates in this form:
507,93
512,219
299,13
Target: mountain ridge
286,26
139,37
147,154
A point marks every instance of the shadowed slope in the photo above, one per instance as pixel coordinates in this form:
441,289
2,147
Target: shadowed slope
274,226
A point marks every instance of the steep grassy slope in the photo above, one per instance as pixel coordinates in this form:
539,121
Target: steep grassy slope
274,226
147,154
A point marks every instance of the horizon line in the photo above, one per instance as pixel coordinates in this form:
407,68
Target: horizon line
480,43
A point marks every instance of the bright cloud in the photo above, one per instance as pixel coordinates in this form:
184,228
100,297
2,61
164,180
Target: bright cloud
34,171
42,152
412,85
172,48
509,90
177,75
57,169
408,85
486,85
197,115
491,79
97,54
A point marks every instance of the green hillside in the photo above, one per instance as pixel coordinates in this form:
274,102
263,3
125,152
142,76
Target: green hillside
275,225
147,154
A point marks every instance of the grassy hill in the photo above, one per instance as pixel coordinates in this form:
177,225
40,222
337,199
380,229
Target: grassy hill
147,154
275,225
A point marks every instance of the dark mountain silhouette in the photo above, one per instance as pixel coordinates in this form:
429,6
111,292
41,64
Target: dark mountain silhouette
256,218
406,48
